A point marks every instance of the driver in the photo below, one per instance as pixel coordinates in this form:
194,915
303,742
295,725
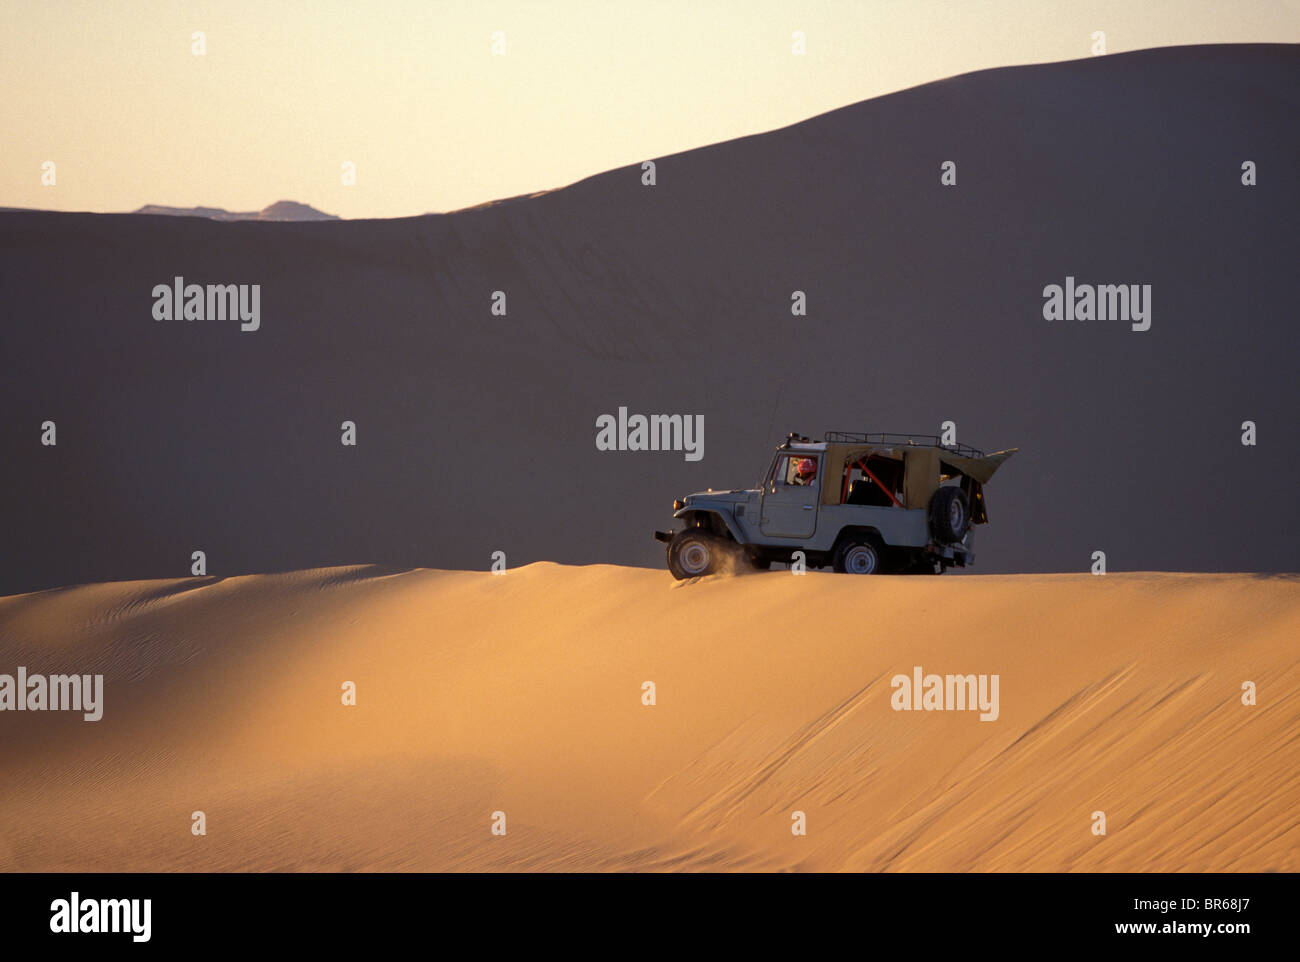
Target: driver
806,472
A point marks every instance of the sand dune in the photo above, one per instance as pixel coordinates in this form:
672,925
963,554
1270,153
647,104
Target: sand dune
281,210
522,693
476,432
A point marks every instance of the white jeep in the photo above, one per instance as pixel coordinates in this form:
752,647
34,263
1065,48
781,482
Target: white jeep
862,503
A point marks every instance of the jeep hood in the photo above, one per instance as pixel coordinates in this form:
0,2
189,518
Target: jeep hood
728,496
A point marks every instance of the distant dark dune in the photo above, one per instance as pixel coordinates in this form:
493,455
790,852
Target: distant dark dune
281,210
476,433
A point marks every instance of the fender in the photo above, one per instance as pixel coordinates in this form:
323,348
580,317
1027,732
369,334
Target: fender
719,511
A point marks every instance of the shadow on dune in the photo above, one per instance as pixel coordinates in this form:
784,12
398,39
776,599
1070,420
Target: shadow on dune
476,432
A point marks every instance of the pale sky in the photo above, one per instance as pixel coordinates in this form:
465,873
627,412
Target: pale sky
411,93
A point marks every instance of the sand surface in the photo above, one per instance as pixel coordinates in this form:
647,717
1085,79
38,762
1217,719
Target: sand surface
476,432
522,694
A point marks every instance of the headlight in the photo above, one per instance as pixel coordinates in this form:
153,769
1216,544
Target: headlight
678,504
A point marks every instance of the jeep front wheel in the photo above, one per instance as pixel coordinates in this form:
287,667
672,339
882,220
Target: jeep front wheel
693,553
858,557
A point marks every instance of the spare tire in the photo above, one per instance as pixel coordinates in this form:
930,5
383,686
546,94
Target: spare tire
949,515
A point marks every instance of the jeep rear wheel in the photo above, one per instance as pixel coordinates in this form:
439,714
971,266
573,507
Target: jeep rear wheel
858,556
693,553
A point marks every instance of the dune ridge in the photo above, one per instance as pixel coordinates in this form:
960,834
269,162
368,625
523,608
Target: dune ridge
476,432
522,694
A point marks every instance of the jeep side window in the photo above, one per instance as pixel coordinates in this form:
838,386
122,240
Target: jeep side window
788,470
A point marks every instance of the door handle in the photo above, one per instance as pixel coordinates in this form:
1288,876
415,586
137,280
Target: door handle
807,507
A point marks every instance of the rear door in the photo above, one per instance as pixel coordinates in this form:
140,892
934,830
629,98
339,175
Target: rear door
789,508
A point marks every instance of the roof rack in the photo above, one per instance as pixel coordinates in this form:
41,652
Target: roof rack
915,440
